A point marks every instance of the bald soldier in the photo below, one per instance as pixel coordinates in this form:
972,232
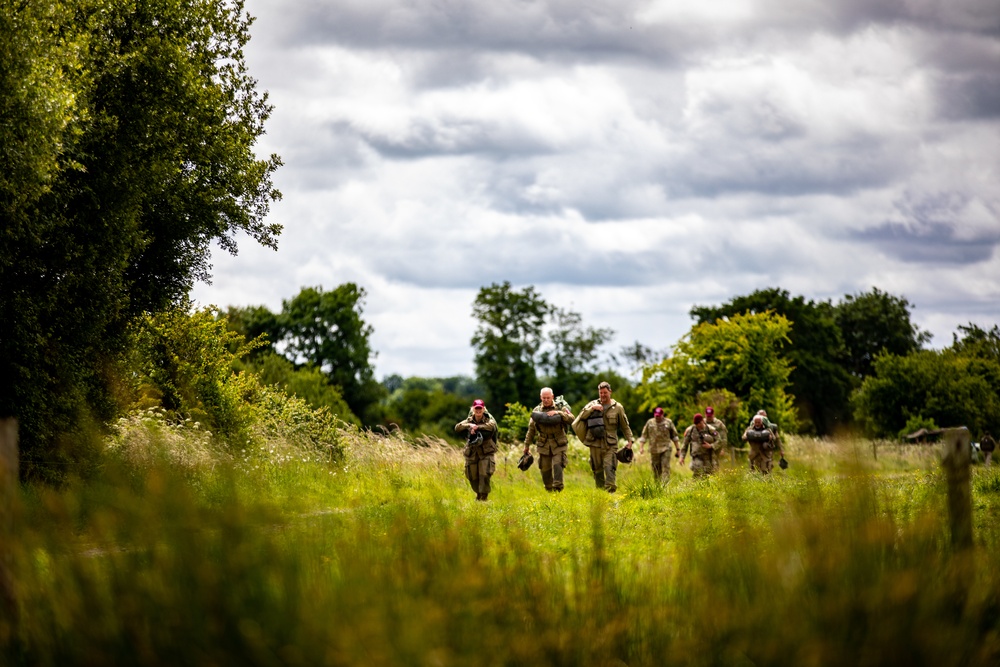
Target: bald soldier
662,436
547,429
597,426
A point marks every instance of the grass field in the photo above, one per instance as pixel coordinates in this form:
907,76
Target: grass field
281,558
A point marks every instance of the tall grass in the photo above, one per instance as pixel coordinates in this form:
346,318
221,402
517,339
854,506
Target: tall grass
281,558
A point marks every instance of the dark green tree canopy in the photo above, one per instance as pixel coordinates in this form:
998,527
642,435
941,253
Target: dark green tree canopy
874,322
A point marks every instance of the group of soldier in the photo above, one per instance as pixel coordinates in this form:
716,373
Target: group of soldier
598,425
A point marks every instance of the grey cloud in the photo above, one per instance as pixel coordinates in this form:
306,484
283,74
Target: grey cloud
807,168
971,16
931,243
601,30
973,95
455,136
321,159
494,265
536,27
929,231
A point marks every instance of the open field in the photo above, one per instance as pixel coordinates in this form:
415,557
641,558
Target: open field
281,558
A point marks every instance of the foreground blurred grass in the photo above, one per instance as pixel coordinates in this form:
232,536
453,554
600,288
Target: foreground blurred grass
279,557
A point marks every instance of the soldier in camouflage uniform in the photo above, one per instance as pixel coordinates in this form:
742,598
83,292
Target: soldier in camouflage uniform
762,445
547,429
699,441
600,434
480,458
722,443
662,436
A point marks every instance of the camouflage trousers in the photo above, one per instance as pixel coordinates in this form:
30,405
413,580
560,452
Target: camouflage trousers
661,465
987,458
703,465
552,466
604,463
761,460
479,468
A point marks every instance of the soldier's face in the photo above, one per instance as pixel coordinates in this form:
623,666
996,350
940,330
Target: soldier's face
478,412
547,399
605,394
658,417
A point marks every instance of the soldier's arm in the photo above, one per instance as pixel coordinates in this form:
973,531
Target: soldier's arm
566,416
530,437
462,426
642,436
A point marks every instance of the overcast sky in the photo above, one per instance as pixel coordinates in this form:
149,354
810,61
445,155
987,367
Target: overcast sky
627,158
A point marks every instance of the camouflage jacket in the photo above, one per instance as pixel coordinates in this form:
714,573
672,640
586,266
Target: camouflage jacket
660,435
695,439
720,427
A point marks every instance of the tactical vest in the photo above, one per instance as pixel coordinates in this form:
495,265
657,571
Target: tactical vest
694,439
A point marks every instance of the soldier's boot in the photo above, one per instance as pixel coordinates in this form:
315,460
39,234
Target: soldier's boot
483,496
557,477
547,479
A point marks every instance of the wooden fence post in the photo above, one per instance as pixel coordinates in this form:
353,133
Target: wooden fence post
8,497
957,464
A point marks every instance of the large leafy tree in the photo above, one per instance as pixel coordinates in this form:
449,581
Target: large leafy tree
507,341
874,322
815,350
741,357
127,136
